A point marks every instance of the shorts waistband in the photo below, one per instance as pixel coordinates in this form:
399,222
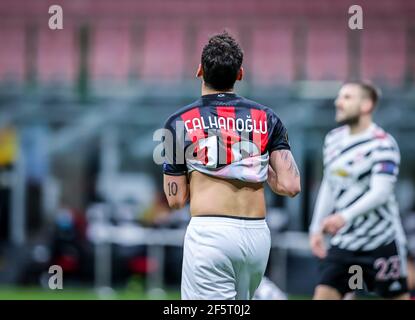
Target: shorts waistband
228,220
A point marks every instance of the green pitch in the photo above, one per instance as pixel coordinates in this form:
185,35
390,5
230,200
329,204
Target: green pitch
33,293
18,293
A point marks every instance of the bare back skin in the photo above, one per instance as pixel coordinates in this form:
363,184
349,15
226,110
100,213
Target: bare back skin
215,196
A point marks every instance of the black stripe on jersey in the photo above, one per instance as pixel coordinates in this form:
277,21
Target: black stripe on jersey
355,199
386,227
205,112
374,223
348,149
385,211
385,241
358,235
364,174
379,219
353,226
245,113
386,149
342,191
379,149
367,154
353,230
349,229
356,225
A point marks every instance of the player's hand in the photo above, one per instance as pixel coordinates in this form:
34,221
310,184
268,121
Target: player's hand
333,223
318,247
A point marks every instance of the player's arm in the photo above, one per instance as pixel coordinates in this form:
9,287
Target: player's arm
176,189
382,183
324,206
283,174
175,182
381,187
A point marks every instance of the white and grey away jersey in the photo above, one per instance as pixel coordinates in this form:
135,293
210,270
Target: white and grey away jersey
360,171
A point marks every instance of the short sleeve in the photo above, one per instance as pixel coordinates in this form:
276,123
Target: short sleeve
174,148
278,138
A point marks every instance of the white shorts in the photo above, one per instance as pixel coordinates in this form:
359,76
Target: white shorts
224,258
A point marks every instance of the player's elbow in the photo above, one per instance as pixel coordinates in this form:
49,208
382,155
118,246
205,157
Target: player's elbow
177,202
176,205
291,188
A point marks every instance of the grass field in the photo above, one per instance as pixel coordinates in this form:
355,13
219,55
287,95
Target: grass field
33,293
18,293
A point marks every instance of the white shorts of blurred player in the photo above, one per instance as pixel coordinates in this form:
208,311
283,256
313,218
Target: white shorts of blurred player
268,290
224,258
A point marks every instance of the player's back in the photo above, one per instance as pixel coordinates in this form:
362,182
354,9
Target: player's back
227,142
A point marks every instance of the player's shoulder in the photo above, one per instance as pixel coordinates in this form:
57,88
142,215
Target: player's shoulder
178,113
384,138
252,104
336,134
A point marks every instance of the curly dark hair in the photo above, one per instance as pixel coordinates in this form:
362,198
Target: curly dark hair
221,60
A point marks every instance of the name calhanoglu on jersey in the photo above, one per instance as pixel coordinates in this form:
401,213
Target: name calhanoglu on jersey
213,122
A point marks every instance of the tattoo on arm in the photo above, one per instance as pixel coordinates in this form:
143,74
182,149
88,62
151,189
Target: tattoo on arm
289,160
172,186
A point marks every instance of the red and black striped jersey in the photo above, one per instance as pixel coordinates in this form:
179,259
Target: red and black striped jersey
223,135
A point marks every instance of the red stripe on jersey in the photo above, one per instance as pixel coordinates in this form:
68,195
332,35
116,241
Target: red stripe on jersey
230,135
195,134
259,121
380,134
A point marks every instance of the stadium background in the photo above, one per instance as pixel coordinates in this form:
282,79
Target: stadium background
78,108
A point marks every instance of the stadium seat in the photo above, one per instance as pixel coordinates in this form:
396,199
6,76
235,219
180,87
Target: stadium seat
110,51
383,54
326,52
57,55
163,52
12,52
272,55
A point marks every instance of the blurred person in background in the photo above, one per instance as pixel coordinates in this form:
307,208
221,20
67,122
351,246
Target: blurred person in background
232,146
356,203
409,227
8,157
411,275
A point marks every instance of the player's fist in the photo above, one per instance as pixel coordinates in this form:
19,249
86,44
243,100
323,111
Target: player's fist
318,247
333,223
